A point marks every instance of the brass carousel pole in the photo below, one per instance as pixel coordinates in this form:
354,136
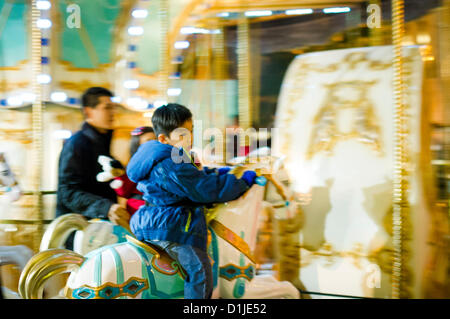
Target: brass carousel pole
219,70
400,191
376,34
37,115
244,82
163,80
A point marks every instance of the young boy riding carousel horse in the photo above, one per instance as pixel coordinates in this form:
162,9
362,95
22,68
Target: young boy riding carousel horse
176,192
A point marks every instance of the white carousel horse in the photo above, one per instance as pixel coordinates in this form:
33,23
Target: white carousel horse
8,183
133,269
89,235
19,254
14,255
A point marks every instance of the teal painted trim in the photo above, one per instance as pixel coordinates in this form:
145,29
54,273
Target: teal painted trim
120,233
147,271
119,268
232,272
239,287
98,269
214,253
83,293
145,294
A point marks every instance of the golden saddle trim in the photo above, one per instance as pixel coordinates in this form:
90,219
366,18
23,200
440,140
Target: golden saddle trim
160,255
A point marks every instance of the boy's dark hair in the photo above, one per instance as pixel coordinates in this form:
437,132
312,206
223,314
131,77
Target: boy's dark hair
169,117
90,96
135,138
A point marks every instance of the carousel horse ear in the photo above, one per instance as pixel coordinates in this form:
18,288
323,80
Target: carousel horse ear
278,164
14,194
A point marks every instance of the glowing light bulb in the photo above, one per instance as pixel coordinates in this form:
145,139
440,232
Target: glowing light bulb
139,13
135,30
58,96
299,11
43,5
43,23
131,84
258,13
181,44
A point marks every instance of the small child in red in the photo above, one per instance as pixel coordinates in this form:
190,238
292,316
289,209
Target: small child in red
128,189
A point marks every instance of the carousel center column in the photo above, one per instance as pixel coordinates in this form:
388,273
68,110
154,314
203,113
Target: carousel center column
400,187
244,81
37,128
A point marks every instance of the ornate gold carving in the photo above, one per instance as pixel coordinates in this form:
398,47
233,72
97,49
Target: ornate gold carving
326,133
7,86
229,236
81,86
17,67
158,254
23,136
327,250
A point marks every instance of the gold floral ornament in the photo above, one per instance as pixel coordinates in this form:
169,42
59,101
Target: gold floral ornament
364,125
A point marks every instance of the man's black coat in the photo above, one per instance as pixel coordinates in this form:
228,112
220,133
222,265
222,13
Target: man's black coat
78,189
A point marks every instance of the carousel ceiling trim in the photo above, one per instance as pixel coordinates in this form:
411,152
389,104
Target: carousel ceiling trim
99,68
17,67
240,6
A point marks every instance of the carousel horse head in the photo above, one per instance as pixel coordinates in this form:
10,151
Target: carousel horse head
134,269
8,183
89,235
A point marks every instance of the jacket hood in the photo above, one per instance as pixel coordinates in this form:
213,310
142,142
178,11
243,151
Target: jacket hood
146,157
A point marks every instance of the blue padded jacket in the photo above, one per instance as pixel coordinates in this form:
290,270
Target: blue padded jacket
176,192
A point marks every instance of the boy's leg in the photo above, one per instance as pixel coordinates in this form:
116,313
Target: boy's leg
199,281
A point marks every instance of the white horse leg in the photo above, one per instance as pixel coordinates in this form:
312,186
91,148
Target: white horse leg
9,294
14,255
267,287
18,255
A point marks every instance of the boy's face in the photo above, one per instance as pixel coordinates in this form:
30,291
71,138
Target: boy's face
180,137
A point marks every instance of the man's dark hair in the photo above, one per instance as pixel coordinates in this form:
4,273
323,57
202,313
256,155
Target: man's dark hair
90,96
169,117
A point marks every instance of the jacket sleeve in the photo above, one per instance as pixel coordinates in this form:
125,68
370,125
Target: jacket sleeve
70,187
187,181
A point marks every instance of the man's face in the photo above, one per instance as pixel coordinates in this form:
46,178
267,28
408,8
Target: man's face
101,116
149,136
182,136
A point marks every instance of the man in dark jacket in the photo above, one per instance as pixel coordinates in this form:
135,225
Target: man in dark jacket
78,189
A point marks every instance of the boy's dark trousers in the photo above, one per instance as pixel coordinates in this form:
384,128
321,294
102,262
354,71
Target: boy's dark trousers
196,263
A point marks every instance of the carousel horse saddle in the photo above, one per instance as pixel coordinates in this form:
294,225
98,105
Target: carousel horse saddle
162,261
